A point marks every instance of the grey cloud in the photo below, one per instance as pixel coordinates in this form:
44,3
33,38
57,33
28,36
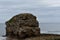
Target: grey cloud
9,8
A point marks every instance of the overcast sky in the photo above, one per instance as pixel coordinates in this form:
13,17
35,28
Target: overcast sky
47,11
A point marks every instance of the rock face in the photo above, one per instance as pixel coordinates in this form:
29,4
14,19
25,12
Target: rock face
22,26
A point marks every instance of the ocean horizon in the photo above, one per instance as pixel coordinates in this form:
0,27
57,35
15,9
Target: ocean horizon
48,28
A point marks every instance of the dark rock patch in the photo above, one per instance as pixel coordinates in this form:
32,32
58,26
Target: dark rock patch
23,26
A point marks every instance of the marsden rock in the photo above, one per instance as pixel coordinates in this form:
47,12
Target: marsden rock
23,25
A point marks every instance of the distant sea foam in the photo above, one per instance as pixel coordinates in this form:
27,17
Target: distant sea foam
2,38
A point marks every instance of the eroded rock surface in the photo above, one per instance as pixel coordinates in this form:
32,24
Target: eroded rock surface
22,26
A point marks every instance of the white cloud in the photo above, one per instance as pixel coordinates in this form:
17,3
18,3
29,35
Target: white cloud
19,4
50,3
29,3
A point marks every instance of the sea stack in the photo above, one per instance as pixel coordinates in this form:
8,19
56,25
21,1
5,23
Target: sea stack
23,25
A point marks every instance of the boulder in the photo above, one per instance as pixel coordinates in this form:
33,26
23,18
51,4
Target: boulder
22,26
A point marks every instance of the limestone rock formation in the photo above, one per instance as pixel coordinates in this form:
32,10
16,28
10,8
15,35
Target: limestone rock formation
22,26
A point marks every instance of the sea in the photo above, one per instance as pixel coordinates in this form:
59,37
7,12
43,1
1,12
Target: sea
48,28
